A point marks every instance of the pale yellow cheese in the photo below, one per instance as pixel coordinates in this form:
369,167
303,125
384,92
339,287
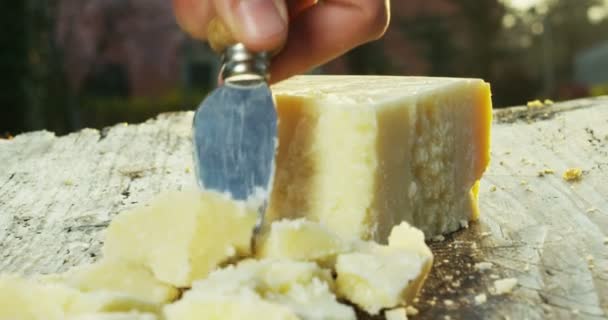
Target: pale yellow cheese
114,316
301,239
362,154
395,314
377,277
182,236
29,299
118,276
268,289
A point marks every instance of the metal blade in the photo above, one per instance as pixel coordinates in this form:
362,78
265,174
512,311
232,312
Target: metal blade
235,140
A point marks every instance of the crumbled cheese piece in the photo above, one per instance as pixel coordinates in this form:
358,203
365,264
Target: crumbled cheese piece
503,286
485,234
572,174
483,266
395,314
527,267
591,210
464,224
523,182
545,171
535,104
492,188
438,238
448,302
589,258
481,298
411,311
548,102
68,182
187,170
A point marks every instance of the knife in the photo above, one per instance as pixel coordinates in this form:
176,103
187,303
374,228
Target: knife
235,127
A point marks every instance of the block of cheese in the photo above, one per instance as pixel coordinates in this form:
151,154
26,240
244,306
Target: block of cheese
268,289
118,276
363,153
301,239
376,277
29,299
181,236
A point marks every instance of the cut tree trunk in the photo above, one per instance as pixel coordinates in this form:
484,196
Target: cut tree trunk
58,194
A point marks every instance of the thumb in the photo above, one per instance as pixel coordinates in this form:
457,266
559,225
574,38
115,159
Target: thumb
260,24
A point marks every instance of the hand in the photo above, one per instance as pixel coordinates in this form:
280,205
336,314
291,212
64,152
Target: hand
317,32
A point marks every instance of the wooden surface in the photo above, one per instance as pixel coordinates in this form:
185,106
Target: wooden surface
57,195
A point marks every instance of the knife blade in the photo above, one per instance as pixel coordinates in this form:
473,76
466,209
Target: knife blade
235,128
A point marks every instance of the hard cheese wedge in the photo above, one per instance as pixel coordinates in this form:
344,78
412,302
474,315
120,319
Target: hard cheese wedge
182,236
264,289
117,276
362,154
301,239
377,277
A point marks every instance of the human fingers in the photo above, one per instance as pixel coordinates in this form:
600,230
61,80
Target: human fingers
193,16
327,30
260,24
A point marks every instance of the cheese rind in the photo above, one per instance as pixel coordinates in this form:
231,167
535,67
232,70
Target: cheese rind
182,236
376,277
361,154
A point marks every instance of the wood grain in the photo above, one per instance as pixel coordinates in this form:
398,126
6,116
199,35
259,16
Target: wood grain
57,195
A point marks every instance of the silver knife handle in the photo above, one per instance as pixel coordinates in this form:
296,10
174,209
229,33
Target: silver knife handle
241,64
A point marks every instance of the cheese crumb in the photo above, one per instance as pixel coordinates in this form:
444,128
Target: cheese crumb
492,188
485,234
438,238
572,174
591,210
411,311
481,298
448,302
545,171
68,182
548,102
464,224
503,286
535,104
483,266
395,314
589,258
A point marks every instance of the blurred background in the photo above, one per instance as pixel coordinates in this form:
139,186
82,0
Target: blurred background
69,64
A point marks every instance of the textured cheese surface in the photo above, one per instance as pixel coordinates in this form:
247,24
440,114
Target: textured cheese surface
395,314
118,276
114,316
362,154
377,277
268,289
181,236
301,239
27,299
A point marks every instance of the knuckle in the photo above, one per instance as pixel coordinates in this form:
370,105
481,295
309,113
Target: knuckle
377,17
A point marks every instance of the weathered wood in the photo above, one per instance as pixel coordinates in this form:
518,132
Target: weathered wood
57,194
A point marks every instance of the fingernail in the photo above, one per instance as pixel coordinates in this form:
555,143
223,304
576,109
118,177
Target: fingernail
262,18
